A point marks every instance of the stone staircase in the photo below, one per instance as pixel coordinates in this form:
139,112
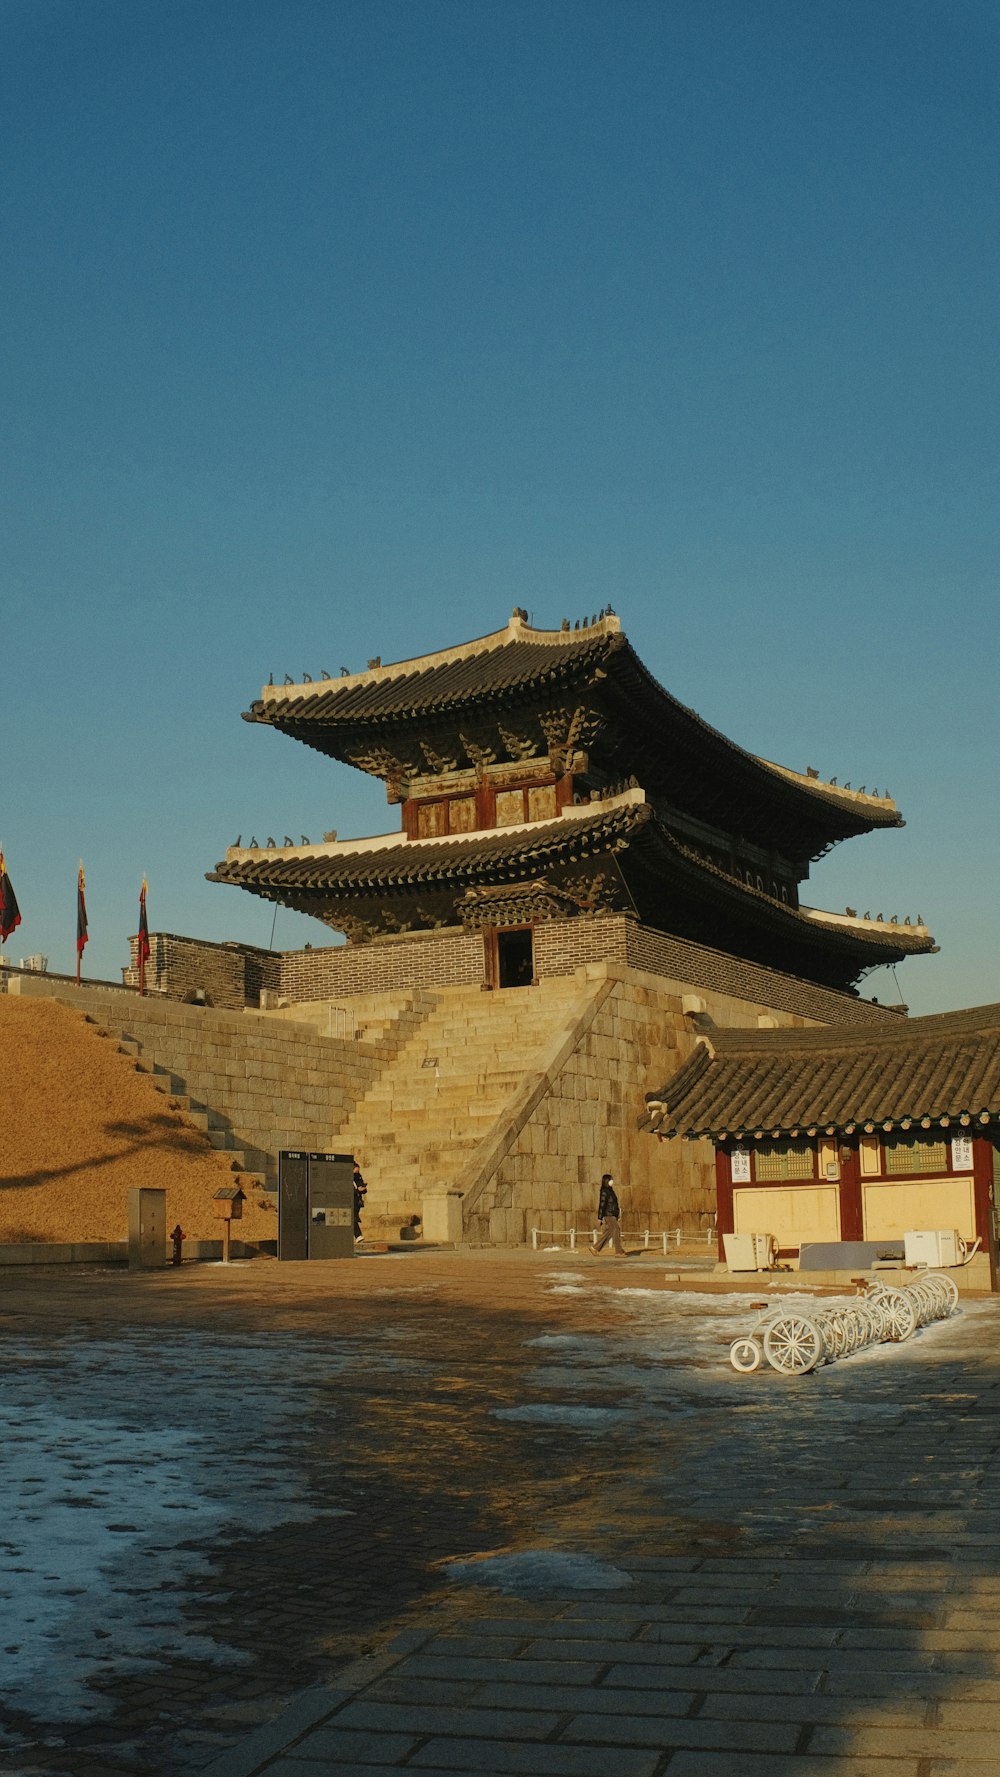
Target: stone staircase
421,1122
199,1116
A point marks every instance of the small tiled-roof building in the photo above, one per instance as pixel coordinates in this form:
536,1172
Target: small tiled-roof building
846,1133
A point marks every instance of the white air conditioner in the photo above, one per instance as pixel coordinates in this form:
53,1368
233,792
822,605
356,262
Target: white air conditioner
766,1250
933,1246
749,1252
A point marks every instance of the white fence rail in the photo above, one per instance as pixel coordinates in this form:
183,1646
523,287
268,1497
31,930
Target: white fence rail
662,1237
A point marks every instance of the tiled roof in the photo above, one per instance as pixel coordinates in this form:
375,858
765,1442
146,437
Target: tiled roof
741,1082
645,726
499,854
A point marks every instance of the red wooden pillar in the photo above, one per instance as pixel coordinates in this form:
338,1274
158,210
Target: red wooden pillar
723,1197
851,1207
982,1177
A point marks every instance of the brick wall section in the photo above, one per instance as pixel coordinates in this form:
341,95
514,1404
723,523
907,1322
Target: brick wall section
564,945
272,1083
227,974
234,974
674,958
448,959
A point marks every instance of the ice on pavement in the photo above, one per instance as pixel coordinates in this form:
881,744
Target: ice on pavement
546,1571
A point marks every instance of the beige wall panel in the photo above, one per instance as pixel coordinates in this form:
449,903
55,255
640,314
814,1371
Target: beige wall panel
802,1213
894,1210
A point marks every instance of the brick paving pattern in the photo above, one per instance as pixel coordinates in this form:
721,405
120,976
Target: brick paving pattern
668,1568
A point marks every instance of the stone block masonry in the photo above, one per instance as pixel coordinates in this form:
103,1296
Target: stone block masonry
268,1083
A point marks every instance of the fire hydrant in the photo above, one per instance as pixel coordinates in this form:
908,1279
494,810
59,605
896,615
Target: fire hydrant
177,1236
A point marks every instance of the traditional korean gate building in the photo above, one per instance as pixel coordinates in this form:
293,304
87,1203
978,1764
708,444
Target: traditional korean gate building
581,866
545,781
848,1134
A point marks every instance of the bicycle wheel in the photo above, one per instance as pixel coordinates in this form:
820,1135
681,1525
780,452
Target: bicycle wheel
793,1344
746,1355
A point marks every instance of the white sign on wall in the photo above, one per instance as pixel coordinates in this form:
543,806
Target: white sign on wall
739,1162
961,1153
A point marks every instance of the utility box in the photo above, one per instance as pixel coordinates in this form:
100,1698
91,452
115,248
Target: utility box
315,1205
749,1252
147,1228
765,1251
933,1246
740,1251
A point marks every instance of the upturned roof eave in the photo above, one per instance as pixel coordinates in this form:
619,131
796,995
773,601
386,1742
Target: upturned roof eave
308,713
942,1071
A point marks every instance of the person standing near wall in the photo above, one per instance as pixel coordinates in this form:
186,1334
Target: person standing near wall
609,1216
360,1188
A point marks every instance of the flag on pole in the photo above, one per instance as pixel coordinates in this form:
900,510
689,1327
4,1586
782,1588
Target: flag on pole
81,920
142,941
10,913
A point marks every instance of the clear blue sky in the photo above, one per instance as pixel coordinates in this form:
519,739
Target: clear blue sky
336,328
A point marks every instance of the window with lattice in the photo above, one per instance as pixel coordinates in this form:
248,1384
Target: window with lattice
510,808
914,1153
542,803
462,814
432,819
775,1161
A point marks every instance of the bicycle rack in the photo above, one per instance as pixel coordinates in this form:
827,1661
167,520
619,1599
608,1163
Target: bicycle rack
795,1342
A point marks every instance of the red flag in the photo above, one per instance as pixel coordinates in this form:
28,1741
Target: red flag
81,920
142,941
10,913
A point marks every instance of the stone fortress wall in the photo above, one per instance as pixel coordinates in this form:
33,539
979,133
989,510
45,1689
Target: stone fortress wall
534,1091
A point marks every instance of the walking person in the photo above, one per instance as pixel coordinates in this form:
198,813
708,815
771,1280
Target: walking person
360,1189
609,1216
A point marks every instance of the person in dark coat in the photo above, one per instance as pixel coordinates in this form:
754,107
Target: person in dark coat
360,1189
609,1216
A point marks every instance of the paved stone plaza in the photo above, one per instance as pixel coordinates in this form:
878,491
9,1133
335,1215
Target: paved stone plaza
502,1513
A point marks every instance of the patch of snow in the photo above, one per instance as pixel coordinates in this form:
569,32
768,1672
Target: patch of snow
116,1453
533,1571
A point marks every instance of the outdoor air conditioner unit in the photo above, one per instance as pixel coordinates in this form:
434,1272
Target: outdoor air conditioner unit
766,1249
933,1246
749,1252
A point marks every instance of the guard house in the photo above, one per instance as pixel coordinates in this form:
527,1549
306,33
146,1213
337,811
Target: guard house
848,1134
545,782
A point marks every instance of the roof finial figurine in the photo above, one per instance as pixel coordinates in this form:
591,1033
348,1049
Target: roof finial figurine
852,912
271,845
288,679
237,842
325,674
270,678
811,771
307,678
253,843
880,919
288,839
345,672
306,839
833,780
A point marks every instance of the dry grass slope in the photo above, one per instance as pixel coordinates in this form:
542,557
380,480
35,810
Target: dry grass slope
79,1125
